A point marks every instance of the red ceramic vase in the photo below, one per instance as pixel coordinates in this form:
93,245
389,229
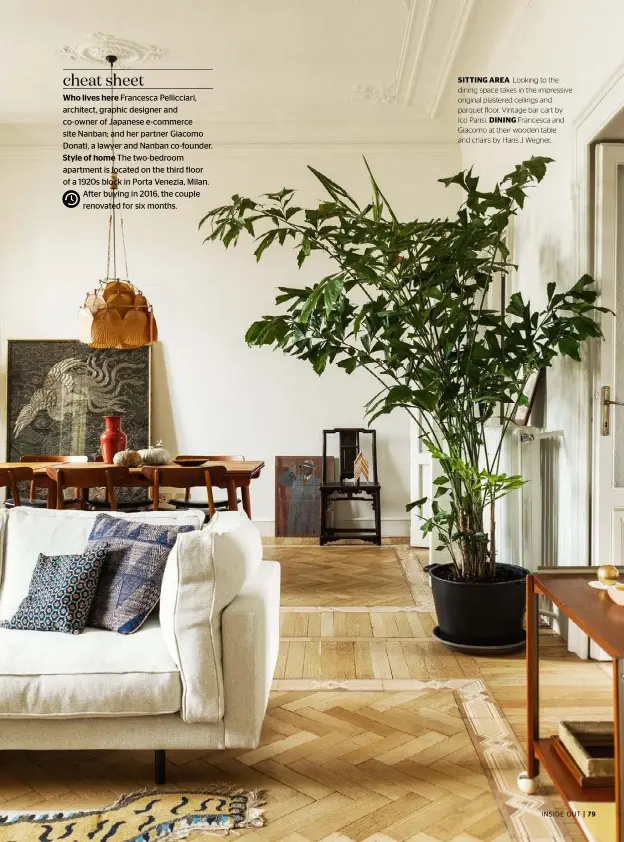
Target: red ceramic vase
113,439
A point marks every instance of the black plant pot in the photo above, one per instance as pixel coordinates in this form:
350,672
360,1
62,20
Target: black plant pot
480,617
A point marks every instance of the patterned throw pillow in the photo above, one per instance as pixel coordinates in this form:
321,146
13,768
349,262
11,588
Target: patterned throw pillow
129,586
61,592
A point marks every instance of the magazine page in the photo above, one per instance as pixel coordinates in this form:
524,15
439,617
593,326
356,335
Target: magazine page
312,420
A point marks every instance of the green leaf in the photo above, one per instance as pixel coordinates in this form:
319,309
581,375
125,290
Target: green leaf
311,304
332,290
265,241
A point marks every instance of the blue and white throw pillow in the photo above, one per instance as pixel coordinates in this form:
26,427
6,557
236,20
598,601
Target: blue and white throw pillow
61,592
129,586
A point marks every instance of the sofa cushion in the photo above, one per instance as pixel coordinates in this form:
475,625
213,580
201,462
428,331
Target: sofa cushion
129,587
26,532
97,673
61,592
204,572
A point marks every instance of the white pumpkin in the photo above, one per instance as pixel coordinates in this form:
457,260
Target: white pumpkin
127,458
155,455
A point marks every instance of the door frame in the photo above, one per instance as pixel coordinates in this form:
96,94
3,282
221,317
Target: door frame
609,158
603,108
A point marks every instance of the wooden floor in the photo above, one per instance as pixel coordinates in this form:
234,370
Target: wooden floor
381,753
350,575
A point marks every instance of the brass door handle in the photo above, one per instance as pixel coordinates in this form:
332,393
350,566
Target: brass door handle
605,403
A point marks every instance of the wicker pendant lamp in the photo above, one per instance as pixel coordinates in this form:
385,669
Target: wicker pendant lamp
116,314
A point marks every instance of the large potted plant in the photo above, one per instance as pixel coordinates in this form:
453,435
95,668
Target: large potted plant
408,302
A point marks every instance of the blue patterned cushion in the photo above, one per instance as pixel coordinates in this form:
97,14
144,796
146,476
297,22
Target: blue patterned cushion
61,592
129,586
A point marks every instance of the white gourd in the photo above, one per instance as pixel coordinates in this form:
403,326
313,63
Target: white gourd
155,455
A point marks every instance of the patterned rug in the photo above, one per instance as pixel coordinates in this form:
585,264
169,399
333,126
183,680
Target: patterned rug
142,817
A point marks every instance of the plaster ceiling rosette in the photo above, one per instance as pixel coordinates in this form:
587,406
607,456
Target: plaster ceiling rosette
99,45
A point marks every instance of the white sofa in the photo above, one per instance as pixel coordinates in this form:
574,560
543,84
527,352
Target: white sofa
197,675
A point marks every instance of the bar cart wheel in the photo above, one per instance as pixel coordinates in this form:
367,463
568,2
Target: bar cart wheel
527,785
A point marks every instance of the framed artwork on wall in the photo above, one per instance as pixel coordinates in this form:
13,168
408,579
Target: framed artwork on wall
533,385
59,390
298,495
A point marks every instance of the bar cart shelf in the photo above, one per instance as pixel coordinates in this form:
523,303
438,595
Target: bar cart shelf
602,621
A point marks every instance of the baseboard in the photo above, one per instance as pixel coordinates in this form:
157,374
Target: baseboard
391,527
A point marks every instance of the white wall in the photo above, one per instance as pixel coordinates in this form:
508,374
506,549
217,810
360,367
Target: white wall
211,392
581,44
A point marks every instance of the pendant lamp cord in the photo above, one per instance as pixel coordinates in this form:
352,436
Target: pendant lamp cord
114,184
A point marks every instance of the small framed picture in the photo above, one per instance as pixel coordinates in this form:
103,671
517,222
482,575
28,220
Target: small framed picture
534,382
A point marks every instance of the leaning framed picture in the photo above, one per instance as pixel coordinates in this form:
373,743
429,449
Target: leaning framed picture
532,386
59,390
298,495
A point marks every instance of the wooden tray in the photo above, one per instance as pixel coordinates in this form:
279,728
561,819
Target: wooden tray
581,779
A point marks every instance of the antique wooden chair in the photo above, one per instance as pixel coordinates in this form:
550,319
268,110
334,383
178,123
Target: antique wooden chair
82,479
186,502
9,478
42,481
171,476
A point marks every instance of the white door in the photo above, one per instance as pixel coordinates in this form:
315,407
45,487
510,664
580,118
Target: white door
608,477
420,483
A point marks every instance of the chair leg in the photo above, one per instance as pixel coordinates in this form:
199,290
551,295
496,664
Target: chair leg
160,766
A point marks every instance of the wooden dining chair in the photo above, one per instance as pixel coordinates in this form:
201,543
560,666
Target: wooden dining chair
44,481
82,479
219,503
9,478
197,477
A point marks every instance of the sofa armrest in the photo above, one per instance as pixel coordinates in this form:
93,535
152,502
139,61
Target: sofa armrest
250,639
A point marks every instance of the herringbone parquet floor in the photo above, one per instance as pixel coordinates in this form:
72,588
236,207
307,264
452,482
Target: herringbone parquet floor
354,764
341,576
382,761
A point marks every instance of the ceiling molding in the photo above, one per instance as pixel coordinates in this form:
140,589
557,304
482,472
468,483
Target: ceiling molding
418,27
412,45
455,39
377,94
98,45
412,50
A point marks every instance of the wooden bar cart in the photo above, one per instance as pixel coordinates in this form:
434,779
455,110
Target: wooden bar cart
603,621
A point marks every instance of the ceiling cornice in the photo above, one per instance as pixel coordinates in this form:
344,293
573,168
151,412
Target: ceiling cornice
412,50
455,39
423,17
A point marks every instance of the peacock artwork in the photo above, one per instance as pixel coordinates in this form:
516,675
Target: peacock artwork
58,392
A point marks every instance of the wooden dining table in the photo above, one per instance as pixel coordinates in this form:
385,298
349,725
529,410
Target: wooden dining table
238,475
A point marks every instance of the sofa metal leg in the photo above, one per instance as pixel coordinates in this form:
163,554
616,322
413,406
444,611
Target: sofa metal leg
160,766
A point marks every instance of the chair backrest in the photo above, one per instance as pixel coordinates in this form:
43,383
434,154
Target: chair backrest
172,476
90,477
39,458
9,477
